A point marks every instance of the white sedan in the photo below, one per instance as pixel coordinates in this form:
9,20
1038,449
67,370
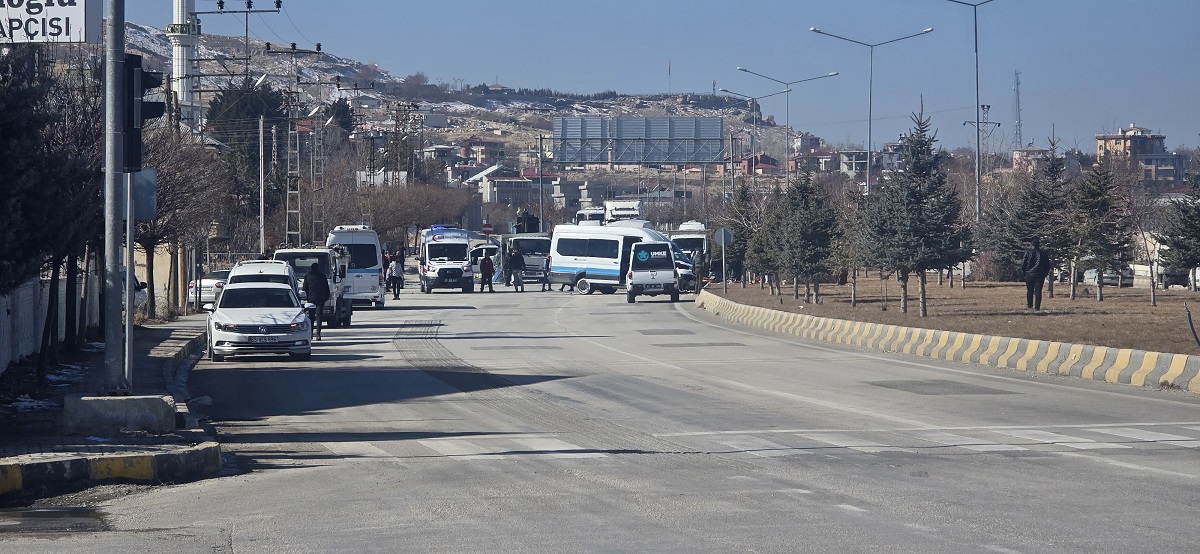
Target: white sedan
259,318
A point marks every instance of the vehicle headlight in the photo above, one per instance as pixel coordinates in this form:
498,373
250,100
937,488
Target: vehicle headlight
229,327
300,322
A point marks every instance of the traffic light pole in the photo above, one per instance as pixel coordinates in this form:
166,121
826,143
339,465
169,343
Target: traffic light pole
114,81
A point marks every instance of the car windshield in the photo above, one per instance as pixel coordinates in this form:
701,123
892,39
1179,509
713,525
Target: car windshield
447,252
258,298
363,256
691,244
654,256
261,278
531,247
301,263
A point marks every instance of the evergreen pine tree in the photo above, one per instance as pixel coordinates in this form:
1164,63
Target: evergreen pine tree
916,221
1099,227
1181,233
804,226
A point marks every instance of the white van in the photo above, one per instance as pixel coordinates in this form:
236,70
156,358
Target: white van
365,281
653,270
445,260
594,257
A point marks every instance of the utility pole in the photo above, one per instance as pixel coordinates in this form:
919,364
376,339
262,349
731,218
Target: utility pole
292,219
114,156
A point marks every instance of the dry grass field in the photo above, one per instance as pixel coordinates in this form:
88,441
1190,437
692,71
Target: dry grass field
1125,319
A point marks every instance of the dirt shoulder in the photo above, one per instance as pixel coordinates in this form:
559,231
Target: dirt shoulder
1124,319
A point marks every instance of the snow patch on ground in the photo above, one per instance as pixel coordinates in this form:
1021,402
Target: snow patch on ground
24,403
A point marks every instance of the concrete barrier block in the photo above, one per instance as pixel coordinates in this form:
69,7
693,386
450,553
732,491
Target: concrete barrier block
10,478
188,465
54,472
132,467
112,415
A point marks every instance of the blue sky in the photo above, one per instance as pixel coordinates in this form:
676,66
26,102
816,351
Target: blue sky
1087,66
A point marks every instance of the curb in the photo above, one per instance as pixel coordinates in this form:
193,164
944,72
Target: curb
1094,363
189,464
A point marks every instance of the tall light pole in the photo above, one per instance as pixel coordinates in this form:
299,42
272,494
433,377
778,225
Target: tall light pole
787,118
870,84
978,125
754,126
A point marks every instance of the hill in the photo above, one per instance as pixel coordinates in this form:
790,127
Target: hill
518,115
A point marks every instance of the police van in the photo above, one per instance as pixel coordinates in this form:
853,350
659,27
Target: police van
365,281
595,257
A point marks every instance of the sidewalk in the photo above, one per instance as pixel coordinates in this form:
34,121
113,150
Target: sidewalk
36,458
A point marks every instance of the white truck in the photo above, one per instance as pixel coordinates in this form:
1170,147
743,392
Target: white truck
534,248
616,210
590,216
692,237
444,259
333,261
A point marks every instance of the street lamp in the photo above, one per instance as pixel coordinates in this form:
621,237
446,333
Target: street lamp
787,118
754,126
870,83
978,125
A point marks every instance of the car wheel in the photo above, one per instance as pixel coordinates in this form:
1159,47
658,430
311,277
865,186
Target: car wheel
583,286
674,296
302,357
607,290
335,319
348,316
468,288
629,297
216,357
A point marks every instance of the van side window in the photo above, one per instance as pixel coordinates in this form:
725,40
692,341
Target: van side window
572,247
603,248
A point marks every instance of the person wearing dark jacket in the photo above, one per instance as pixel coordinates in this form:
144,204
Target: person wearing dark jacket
1035,266
316,290
516,264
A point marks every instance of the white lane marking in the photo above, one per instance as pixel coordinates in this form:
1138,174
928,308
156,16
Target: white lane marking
759,447
356,449
850,508
950,439
557,448
1063,440
853,443
1126,465
1150,436
460,449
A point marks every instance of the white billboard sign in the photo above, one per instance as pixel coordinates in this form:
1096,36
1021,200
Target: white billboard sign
59,21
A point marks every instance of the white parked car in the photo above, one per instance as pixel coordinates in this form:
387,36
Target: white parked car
210,286
259,318
1111,278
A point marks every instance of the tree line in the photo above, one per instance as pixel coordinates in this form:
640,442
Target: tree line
915,222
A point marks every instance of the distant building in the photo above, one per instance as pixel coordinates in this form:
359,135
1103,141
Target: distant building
852,162
1028,160
1149,150
817,161
481,151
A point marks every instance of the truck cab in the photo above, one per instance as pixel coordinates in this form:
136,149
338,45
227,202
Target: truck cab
333,262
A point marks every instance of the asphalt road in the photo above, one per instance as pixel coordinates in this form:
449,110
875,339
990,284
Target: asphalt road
551,422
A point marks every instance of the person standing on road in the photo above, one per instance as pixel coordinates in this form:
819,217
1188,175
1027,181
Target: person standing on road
516,264
316,290
1035,266
394,276
545,273
487,270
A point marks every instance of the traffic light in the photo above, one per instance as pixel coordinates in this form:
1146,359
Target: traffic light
137,82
